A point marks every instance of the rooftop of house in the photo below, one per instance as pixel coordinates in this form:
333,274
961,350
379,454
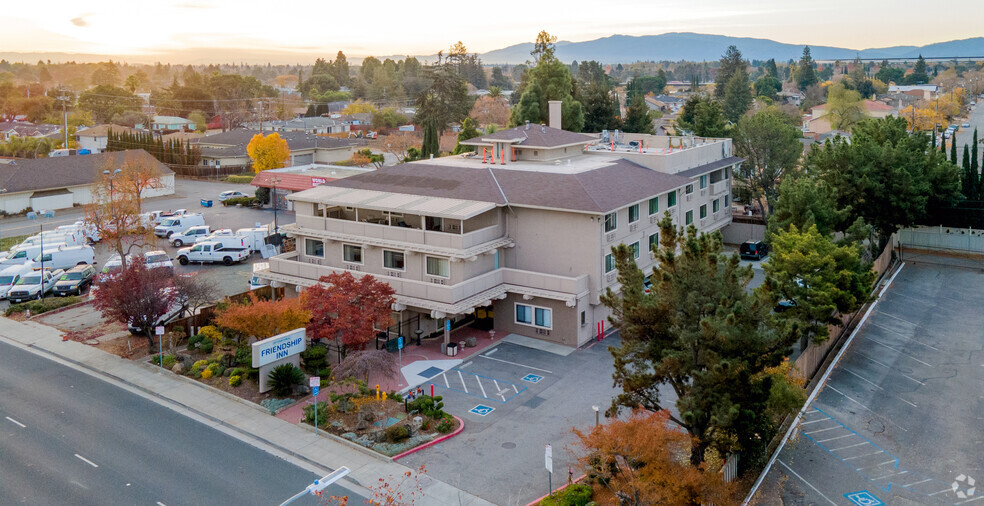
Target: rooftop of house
533,136
666,99
41,174
28,129
103,130
303,122
870,105
234,142
171,119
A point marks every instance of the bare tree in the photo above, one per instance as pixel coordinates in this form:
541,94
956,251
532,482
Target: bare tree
195,292
397,144
360,363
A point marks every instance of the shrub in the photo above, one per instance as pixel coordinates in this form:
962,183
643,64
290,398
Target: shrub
200,364
428,406
38,307
284,377
211,332
446,424
239,179
577,494
397,433
169,360
215,368
244,201
253,374
314,358
395,396
207,345
239,371
193,341
244,356
235,380
325,375
206,374
322,413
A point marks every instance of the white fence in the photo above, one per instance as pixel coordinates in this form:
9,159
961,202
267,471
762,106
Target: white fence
958,240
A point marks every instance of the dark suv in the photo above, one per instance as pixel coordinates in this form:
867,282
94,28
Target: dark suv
753,250
75,280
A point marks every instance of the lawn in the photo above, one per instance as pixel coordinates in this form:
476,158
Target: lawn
9,242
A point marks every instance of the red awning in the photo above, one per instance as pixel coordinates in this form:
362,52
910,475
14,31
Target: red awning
293,182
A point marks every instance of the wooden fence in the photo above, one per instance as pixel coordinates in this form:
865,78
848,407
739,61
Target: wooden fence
210,171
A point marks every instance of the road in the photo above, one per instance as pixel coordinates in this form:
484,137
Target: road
69,438
966,134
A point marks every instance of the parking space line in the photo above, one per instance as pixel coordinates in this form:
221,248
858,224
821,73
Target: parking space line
897,350
516,389
821,430
978,498
868,455
517,364
890,474
496,383
908,338
838,437
812,421
890,368
446,383
479,380
462,378
808,484
879,311
907,402
846,447
866,380
918,482
940,492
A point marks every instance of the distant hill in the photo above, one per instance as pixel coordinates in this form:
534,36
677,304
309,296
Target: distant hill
705,47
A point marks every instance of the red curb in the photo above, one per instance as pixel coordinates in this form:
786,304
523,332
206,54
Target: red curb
542,497
461,427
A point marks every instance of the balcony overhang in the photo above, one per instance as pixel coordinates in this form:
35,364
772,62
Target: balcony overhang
455,209
468,254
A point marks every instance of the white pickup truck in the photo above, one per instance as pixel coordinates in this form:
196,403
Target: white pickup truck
31,286
196,235
212,252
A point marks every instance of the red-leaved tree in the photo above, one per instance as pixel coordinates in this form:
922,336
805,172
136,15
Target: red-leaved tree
137,296
348,308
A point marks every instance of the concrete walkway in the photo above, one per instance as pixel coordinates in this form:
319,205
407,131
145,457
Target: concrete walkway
245,419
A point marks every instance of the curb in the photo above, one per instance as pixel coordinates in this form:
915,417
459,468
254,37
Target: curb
542,497
210,388
415,449
63,308
346,442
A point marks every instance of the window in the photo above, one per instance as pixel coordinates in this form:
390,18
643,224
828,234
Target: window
584,318
393,260
690,189
653,242
703,211
535,316
716,205
313,248
609,263
727,173
653,206
726,200
635,249
352,253
690,217
611,222
438,267
634,213
433,223
671,199
703,181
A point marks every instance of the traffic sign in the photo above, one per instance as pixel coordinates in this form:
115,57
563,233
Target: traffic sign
548,458
314,390
399,343
447,325
159,330
314,381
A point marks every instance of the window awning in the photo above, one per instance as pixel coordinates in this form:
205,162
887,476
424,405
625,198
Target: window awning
456,209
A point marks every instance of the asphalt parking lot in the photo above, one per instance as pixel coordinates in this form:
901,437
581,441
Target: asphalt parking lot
228,280
514,400
899,419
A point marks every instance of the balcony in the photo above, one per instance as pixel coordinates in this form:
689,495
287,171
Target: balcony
356,231
453,298
720,187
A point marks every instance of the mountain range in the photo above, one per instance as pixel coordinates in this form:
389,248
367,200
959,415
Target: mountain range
613,49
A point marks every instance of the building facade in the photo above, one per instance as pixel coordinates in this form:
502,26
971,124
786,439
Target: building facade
520,229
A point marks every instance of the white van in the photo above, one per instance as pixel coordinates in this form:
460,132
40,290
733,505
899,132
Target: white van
65,257
176,224
88,230
9,276
71,237
22,254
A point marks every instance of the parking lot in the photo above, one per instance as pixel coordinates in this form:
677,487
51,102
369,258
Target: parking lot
899,419
514,400
228,280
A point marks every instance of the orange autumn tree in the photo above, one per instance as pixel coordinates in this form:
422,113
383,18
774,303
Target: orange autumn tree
268,152
642,460
343,306
263,318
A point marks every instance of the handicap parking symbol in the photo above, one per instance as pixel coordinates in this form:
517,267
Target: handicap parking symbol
481,410
864,498
532,378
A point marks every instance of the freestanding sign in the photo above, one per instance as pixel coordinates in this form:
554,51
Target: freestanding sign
277,350
548,462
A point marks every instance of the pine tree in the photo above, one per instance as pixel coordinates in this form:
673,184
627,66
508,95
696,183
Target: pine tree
973,153
943,146
953,151
969,178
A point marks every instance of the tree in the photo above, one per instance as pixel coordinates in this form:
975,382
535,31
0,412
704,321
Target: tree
489,110
737,96
974,147
638,117
702,116
194,292
769,142
953,151
771,70
844,107
499,79
469,130
969,176
918,75
348,309
268,152
601,108
549,79
699,332
200,121
731,62
396,144
888,74
645,85
445,101
365,156
387,118
137,296
105,101
806,74
804,201
116,204
818,279
261,319
431,146
637,461
106,74
27,147
768,87
360,363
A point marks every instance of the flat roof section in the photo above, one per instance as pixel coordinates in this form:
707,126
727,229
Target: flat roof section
456,209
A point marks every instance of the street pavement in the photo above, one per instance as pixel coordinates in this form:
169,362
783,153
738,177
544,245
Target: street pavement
966,134
69,438
898,420
118,425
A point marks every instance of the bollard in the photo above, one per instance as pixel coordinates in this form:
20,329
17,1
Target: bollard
377,392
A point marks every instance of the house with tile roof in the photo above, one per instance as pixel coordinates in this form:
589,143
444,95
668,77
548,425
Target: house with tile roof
514,236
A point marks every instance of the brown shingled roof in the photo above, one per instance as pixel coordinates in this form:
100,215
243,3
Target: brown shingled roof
65,171
534,136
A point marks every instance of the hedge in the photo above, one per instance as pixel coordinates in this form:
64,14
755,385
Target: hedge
38,306
239,179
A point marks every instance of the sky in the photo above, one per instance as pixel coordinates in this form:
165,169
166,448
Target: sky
263,31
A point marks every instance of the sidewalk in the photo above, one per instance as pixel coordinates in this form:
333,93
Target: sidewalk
236,414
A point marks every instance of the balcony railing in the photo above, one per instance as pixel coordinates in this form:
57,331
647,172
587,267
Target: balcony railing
719,187
401,234
287,264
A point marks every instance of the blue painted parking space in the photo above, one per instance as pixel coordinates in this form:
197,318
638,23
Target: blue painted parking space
533,378
481,410
864,498
477,385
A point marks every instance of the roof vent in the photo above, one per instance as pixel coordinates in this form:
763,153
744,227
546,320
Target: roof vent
543,128
527,124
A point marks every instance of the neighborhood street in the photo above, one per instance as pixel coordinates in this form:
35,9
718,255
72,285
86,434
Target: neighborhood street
69,438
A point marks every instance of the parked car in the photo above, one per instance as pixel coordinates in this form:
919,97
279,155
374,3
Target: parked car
753,250
142,328
190,235
965,125
10,276
114,265
173,225
231,194
20,255
74,237
64,257
75,280
158,259
31,286
212,252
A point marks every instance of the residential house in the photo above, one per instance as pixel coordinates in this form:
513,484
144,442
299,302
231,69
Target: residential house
288,180
69,181
170,123
312,125
817,122
666,104
95,138
228,149
515,236
922,91
9,129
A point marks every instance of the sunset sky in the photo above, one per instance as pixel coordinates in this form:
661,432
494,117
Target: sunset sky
384,27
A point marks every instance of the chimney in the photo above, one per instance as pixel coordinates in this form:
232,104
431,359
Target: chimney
554,107
527,124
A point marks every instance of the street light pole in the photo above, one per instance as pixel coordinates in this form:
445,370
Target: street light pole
275,182
319,486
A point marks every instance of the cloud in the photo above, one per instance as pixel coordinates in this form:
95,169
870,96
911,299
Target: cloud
80,21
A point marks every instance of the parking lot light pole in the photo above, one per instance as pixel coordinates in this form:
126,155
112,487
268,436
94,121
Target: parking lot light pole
275,181
2,191
597,411
319,486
